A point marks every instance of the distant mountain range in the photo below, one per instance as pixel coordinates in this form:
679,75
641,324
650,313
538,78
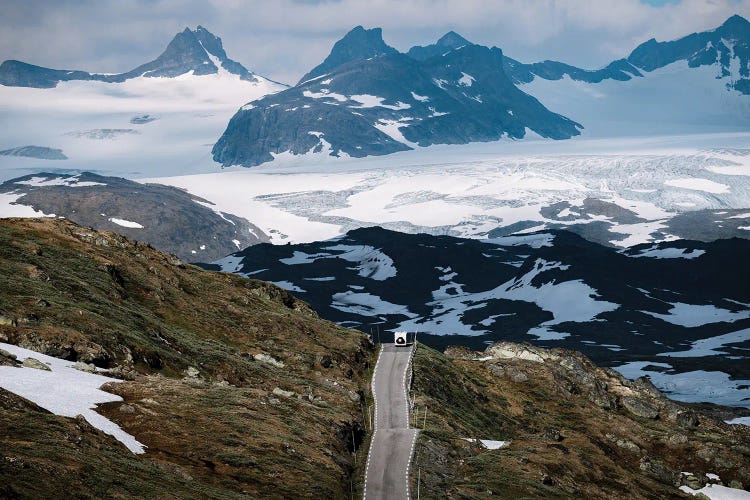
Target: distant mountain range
683,303
198,51
726,45
367,98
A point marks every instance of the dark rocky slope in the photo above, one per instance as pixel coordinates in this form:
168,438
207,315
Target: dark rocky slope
554,288
171,219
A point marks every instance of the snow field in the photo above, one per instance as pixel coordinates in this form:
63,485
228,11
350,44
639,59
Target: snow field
64,391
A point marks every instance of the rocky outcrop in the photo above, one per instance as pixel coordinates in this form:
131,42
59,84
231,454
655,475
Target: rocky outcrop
576,430
576,374
36,364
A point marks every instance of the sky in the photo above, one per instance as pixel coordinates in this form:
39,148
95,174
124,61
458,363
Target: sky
283,39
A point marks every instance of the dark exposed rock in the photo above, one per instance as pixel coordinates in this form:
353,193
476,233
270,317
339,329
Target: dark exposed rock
359,44
326,361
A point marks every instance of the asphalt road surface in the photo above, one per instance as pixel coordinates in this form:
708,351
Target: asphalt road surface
392,446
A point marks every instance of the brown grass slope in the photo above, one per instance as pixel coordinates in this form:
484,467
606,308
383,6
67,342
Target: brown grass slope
201,353
576,430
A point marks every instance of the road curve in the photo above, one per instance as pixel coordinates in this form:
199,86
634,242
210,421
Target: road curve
392,446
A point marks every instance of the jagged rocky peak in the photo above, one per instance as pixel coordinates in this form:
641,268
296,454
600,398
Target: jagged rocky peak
184,53
192,50
213,46
210,42
368,99
452,40
718,46
358,44
449,41
736,25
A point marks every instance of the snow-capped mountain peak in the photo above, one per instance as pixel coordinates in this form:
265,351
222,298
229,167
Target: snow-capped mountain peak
198,52
727,47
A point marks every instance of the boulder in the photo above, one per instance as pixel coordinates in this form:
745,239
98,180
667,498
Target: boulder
8,359
686,419
496,369
7,354
35,363
677,439
268,360
693,482
6,320
84,367
278,391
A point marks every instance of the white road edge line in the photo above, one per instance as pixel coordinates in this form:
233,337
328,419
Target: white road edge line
374,423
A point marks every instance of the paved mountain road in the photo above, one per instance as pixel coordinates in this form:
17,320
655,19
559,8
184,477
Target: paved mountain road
392,446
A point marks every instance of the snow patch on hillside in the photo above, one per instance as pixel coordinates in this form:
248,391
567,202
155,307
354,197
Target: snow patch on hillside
691,387
669,253
691,315
710,346
64,391
68,181
126,223
367,304
371,101
699,185
9,207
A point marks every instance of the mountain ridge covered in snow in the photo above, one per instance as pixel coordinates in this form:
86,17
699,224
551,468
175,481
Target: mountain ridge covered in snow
356,103
369,99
